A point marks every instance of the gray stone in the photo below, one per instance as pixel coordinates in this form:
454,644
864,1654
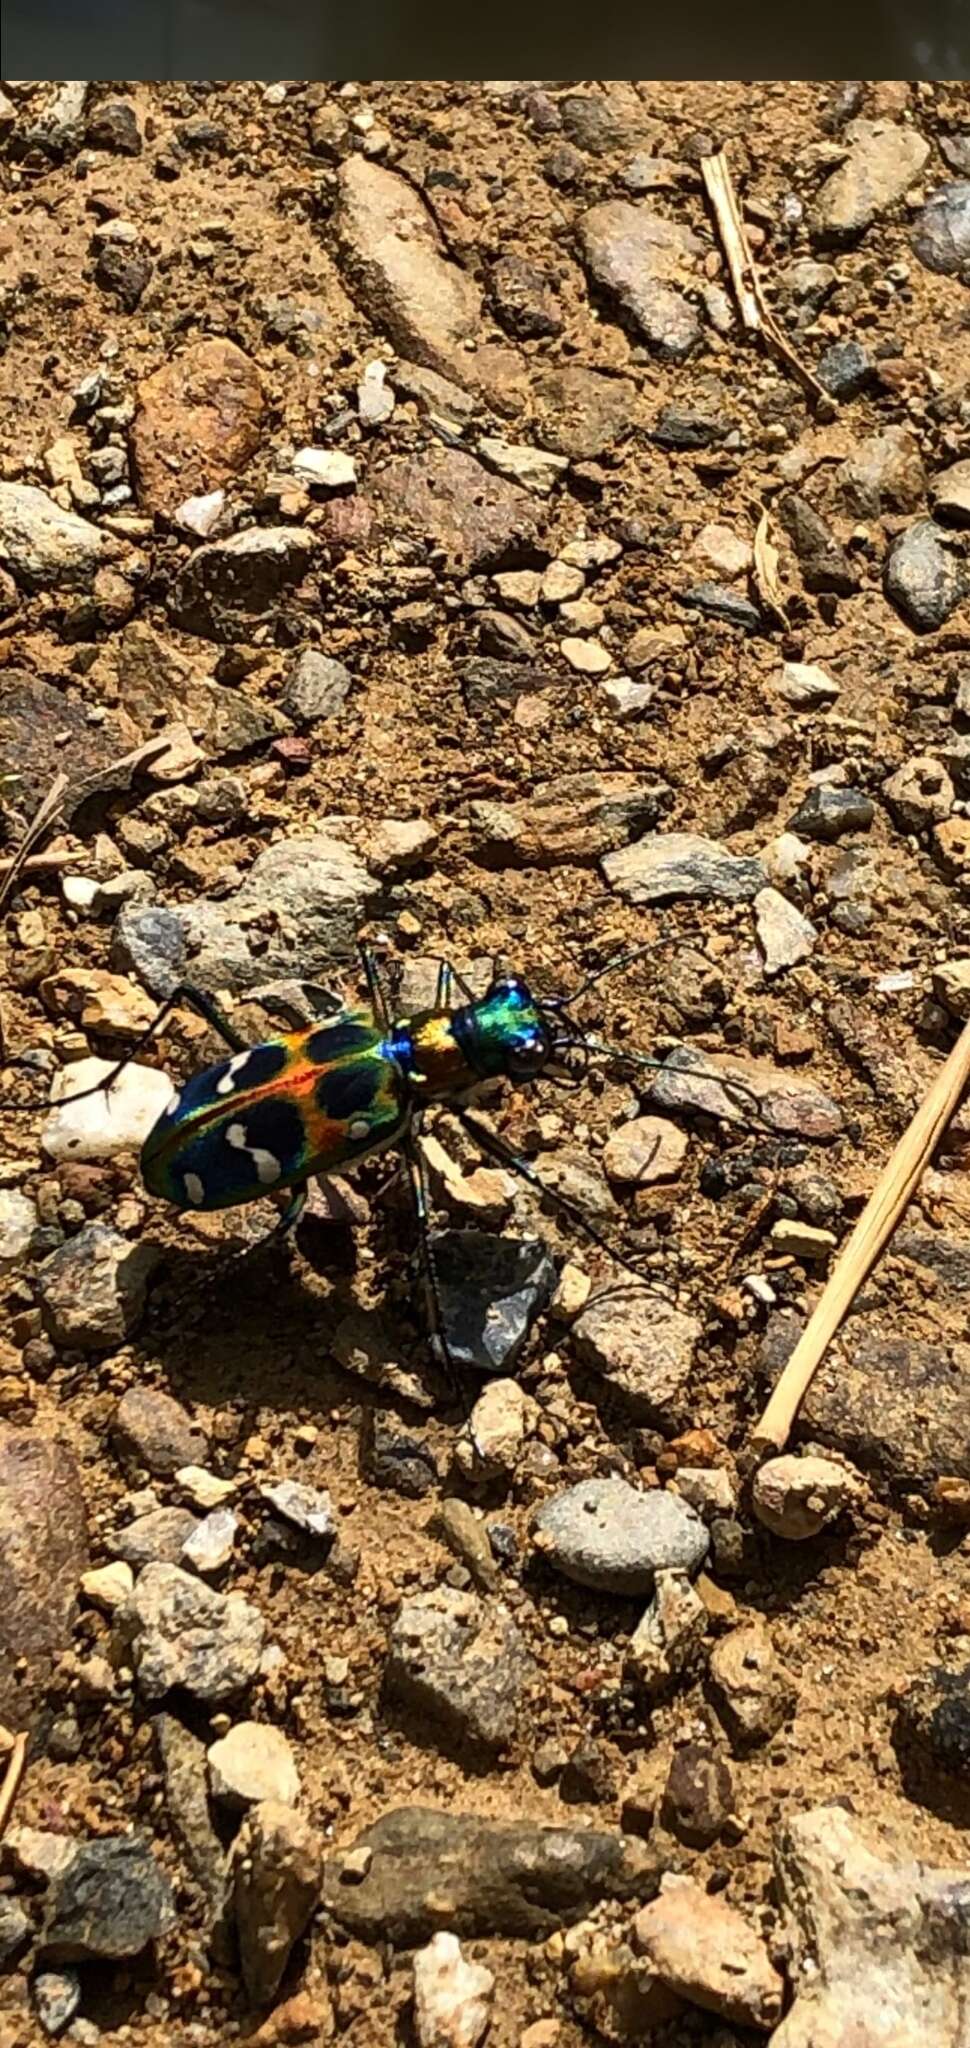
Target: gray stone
58,130
806,686
785,936
920,794
394,260
752,1691
644,1349
92,1289
209,1546
155,1538
845,369
151,1429
715,1085
15,1931
869,1936
884,474
43,1551
884,160
113,125
46,548
491,1289
950,493
179,1633
490,685
923,577
18,1221
574,818
315,687
666,1643
395,1459
459,1662
110,1902
639,258
276,1864
124,272
183,1760
423,1869
606,1534
941,236
666,865
57,1998
229,587
482,521
895,1404
828,811
314,894
307,1508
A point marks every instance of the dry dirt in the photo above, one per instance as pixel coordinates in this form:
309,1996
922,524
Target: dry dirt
857,1614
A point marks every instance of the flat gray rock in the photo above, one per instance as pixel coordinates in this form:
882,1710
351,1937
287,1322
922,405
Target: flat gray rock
606,1534
941,236
644,1348
424,1870
666,865
924,578
110,1902
639,258
884,159
180,1634
458,1661
46,548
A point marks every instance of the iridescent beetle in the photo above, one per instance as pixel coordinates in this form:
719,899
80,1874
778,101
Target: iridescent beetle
356,1082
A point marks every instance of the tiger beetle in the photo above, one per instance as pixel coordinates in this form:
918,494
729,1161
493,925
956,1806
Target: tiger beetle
357,1082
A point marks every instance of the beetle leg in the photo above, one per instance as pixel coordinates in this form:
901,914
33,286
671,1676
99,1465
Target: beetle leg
294,1209
497,1149
417,1181
183,993
375,987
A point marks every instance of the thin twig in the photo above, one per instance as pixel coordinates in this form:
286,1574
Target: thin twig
893,1191
11,1782
40,823
43,863
756,314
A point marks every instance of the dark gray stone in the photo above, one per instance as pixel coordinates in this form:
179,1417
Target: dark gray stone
429,1870
489,684
608,1535
896,1405
678,427
113,124
941,236
460,1662
524,299
924,578
698,1795
315,687
110,1902
933,1721
491,1290
716,601
846,369
827,812
15,1931
229,587
124,272
824,564
184,1766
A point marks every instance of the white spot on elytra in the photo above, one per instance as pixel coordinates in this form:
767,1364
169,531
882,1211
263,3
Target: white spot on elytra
267,1166
227,1083
194,1188
360,1128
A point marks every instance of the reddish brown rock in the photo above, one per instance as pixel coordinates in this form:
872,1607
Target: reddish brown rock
43,1550
445,496
199,419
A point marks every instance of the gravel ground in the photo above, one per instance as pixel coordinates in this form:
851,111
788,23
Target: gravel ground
381,469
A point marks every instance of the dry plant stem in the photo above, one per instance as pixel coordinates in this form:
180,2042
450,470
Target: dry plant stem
894,1189
40,823
11,1782
40,864
756,316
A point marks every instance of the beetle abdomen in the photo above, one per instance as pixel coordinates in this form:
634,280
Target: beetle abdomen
269,1117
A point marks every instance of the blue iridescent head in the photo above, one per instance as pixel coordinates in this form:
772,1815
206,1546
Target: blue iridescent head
505,1032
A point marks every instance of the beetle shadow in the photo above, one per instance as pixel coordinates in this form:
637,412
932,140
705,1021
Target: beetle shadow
257,1331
